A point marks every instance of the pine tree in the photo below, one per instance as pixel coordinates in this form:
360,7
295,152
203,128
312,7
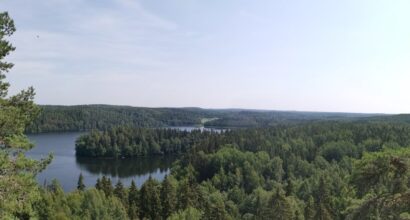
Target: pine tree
310,209
289,187
133,201
323,202
150,206
187,190
280,206
215,208
98,185
80,183
133,194
106,186
120,192
168,197
19,188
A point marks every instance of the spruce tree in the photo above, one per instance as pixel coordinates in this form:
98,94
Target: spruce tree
133,201
80,183
290,187
98,184
150,206
310,209
133,193
323,202
120,192
106,186
168,197
280,206
187,190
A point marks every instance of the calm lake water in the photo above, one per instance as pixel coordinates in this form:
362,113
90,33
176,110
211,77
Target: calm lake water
66,167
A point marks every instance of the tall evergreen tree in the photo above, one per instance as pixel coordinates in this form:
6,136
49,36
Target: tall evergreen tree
290,187
98,184
120,192
133,201
323,202
150,206
80,183
106,186
17,183
133,196
215,208
280,207
168,197
310,209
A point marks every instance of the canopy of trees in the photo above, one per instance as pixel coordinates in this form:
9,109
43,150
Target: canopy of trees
18,188
102,117
132,142
235,184
322,170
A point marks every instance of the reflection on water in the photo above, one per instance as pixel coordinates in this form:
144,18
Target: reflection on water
66,168
124,168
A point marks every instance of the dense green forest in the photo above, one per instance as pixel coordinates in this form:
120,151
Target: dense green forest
322,170
232,183
132,142
88,117
333,139
102,117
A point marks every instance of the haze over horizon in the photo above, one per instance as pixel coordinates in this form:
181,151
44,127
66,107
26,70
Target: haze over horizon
350,56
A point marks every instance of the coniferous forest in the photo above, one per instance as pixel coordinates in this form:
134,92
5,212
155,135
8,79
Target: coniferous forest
102,117
321,169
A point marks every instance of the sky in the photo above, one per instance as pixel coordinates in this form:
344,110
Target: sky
317,55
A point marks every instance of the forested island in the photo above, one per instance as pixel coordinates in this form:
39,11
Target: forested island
120,142
332,140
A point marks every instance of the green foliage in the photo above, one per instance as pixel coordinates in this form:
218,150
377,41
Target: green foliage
282,172
132,142
80,183
133,201
18,189
121,193
150,206
382,182
188,214
285,176
168,196
102,117
279,207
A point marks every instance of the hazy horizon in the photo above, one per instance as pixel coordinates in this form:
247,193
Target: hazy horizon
210,108
317,56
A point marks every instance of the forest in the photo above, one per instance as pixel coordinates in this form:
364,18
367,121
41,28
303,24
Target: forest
102,117
322,170
124,141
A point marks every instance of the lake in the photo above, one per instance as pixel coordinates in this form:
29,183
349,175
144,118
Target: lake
66,167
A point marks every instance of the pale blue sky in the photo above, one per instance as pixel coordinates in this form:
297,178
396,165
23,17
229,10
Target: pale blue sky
317,55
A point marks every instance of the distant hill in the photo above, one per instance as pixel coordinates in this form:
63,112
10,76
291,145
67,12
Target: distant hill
86,117
400,118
